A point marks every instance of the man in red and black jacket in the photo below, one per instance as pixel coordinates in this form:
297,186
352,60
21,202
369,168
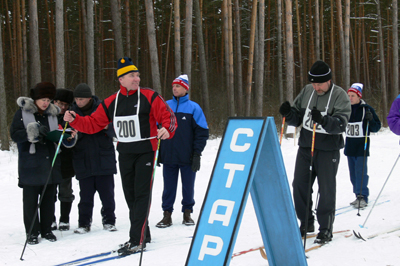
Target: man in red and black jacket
135,112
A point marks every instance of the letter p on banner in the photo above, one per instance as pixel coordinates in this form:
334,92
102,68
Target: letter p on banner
249,161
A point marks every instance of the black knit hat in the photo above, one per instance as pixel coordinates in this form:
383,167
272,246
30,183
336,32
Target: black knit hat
82,91
320,72
64,95
43,90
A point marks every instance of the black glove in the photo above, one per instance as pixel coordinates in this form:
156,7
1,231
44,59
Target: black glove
285,108
43,130
316,116
368,115
196,162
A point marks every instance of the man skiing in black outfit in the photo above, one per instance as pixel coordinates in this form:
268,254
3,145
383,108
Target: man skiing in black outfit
327,105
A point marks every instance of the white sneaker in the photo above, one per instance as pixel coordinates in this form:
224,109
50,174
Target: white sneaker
53,226
63,226
361,203
354,202
109,227
82,230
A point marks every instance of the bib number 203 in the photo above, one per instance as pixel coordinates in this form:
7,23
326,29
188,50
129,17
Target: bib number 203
353,130
126,129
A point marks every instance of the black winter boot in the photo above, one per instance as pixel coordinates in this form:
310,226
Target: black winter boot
187,220
166,221
65,211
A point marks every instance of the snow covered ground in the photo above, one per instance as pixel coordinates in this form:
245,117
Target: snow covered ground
170,246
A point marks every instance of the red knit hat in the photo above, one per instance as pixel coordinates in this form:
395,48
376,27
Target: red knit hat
357,89
182,80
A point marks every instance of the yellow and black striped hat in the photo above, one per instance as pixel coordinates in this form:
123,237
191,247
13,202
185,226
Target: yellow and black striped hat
125,66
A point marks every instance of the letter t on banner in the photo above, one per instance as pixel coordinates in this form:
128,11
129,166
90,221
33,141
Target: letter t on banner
249,160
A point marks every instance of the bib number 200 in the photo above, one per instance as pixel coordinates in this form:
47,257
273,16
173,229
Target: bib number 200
126,129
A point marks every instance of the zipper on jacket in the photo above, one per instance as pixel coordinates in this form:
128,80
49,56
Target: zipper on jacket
177,100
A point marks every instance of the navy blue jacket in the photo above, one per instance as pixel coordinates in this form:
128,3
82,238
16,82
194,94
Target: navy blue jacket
355,146
94,154
190,136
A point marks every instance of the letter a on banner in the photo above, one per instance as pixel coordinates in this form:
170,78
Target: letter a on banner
249,161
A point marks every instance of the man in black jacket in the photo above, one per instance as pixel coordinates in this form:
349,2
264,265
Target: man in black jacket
94,164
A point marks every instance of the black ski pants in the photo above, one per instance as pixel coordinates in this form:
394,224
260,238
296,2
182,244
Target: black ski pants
325,166
45,216
136,175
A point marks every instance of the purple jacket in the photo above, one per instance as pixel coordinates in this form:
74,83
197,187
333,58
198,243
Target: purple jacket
394,116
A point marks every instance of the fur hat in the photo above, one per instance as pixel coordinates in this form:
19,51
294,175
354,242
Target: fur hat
182,80
125,66
83,91
357,89
320,72
64,95
43,90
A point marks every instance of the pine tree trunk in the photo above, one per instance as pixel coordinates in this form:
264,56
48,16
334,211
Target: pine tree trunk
5,142
260,62
187,54
127,29
34,48
60,62
317,32
50,23
18,26
289,51
231,83
300,50
395,30
342,42
116,18
90,46
332,38
177,42
321,22
347,45
24,75
202,57
280,56
151,32
382,65
239,77
164,87
251,57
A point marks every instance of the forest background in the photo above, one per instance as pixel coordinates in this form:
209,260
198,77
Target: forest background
243,58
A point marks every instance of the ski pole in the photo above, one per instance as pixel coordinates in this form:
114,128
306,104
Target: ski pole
362,175
362,226
310,185
149,204
283,127
43,191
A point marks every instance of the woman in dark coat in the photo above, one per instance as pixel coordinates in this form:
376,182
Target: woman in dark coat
32,121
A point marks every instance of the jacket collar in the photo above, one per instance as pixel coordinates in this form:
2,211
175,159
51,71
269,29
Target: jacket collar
181,99
124,91
28,105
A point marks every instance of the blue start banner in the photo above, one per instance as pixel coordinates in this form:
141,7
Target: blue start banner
247,159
